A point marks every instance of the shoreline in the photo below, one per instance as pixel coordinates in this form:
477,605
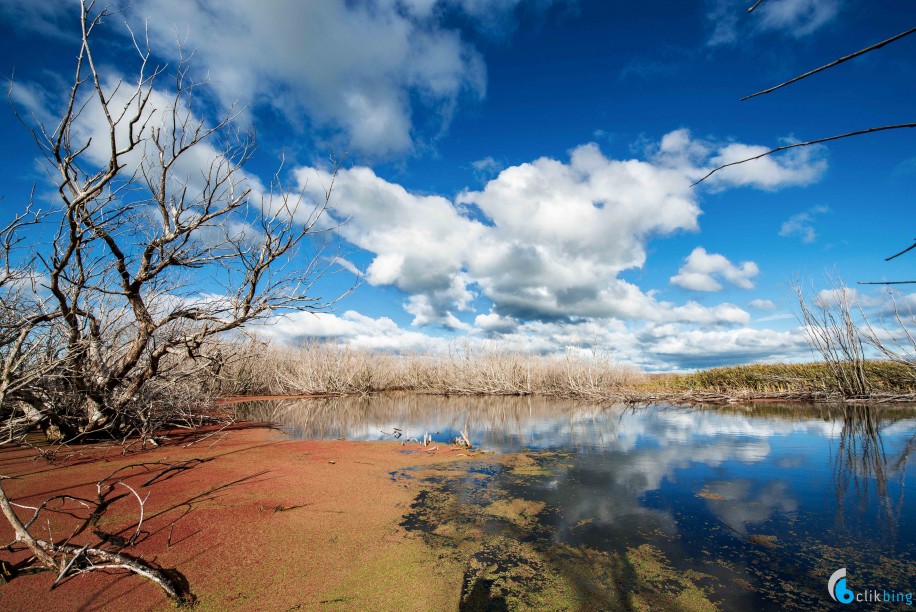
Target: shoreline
624,396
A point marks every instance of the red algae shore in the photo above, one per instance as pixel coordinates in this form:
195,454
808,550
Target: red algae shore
256,521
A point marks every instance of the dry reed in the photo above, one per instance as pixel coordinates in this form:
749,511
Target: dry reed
267,369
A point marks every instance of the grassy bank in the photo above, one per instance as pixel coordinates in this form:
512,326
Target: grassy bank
884,378
312,369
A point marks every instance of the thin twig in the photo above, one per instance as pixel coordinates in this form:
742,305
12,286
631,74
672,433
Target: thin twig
831,64
909,282
909,248
66,569
806,144
142,503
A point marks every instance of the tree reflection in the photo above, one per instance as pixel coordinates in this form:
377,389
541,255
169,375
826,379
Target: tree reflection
863,470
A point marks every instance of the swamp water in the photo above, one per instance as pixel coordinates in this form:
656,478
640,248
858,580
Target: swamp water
654,507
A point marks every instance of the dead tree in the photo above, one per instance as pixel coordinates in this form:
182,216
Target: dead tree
27,355
831,330
162,243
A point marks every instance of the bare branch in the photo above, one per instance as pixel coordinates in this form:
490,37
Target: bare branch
909,248
22,533
831,64
756,4
887,282
806,144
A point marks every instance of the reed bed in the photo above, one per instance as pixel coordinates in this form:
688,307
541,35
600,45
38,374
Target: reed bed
884,377
266,369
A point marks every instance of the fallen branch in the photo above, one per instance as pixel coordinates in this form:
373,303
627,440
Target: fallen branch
67,559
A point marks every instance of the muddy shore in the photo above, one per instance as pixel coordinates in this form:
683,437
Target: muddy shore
255,521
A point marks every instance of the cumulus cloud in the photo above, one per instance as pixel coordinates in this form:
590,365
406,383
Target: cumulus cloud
678,348
352,68
545,240
350,329
838,296
701,270
359,71
801,166
801,225
696,157
493,323
762,304
650,346
727,21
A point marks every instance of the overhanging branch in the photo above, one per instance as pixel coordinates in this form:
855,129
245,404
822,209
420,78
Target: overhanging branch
909,248
806,144
874,47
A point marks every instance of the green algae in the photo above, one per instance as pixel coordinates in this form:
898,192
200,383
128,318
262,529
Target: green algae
480,516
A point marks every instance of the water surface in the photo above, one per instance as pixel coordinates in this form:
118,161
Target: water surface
658,506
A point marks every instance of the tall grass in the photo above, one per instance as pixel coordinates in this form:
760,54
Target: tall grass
787,379
266,369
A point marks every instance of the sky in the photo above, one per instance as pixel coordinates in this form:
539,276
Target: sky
518,174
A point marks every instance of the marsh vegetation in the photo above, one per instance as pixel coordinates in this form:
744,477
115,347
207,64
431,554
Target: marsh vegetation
314,368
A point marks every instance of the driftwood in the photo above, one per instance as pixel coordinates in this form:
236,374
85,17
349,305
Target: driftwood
67,559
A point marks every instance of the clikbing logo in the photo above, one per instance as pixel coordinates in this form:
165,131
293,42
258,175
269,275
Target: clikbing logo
837,588
840,592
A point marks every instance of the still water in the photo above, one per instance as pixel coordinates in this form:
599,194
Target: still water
655,506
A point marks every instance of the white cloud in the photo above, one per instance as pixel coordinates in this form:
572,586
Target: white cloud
701,269
801,166
486,168
652,346
492,322
46,17
351,329
722,18
427,313
696,158
420,243
762,304
700,348
543,240
360,71
729,22
351,67
30,99
797,18
802,224
845,295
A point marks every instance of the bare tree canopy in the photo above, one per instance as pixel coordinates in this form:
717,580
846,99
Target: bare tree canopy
161,242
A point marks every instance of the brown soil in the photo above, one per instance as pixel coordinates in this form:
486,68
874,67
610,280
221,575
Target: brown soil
264,522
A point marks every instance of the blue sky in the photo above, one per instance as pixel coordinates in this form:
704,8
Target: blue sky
518,173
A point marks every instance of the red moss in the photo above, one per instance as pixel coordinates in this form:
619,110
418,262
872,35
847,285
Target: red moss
264,522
